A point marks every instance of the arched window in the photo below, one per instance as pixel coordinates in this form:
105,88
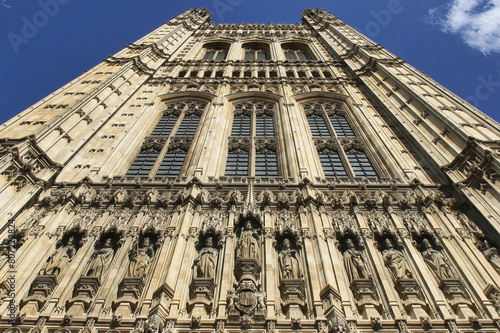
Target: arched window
144,162
296,52
332,164
189,115
256,51
237,163
215,51
329,128
266,163
360,164
252,132
172,163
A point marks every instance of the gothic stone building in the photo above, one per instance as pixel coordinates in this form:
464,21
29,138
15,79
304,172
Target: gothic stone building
258,178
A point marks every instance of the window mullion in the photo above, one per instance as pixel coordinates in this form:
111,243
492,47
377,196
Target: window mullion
328,123
251,157
164,149
345,160
161,155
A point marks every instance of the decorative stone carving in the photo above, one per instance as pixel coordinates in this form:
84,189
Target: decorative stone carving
288,262
354,262
437,262
101,260
490,253
395,262
206,261
60,258
140,258
247,246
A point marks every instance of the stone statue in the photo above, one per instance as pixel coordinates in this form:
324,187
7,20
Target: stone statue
261,301
491,254
60,258
232,299
206,261
436,261
288,263
101,260
140,258
247,247
396,262
354,262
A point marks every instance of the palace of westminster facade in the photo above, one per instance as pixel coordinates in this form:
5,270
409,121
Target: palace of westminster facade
257,178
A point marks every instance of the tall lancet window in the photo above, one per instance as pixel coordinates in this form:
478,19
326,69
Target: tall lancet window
266,163
237,163
144,162
172,163
178,123
334,138
252,144
332,164
360,164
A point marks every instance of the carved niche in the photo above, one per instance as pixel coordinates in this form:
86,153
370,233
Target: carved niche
95,271
246,301
205,265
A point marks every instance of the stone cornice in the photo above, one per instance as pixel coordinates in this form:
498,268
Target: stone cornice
141,66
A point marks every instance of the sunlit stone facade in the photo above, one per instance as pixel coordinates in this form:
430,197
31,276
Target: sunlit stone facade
267,178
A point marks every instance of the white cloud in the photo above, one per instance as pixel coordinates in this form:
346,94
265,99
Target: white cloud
476,21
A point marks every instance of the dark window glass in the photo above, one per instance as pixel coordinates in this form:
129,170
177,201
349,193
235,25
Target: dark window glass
172,163
188,125
290,56
332,164
249,55
266,163
209,55
165,125
341,126
221,56
361,164
318,126
237,163
264,125
261,56
241,125
143,162
302,55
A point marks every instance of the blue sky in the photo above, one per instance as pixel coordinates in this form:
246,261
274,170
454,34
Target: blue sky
456,42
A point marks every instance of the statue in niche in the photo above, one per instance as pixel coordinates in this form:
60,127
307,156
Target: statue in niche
140,258
101,260
288,262
436,261
60,258
491,254
248,247
396,262
206,261
354,262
